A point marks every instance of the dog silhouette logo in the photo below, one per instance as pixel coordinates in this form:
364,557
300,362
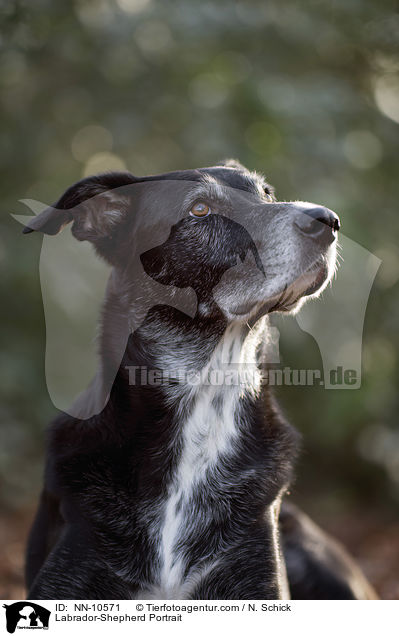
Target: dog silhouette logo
26,615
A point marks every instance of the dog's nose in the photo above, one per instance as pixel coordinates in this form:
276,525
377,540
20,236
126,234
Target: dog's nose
317,222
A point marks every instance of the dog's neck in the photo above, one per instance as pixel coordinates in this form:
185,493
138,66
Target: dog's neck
190,354
172,342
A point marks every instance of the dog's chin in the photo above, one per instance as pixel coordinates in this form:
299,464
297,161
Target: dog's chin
290,298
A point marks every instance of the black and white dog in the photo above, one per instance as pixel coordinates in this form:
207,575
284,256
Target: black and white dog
173,489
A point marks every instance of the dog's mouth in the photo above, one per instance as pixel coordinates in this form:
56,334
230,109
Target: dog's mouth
306,284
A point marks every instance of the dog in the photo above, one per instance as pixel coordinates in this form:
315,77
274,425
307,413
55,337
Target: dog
174,489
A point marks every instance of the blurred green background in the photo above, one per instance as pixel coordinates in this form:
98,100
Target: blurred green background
307,93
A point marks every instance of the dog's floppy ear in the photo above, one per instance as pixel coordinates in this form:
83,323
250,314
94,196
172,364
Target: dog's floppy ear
94,205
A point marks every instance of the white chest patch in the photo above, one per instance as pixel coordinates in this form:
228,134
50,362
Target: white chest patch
210,432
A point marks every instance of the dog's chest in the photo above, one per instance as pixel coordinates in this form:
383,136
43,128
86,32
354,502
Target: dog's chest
205,478
209,442
210,438
186,525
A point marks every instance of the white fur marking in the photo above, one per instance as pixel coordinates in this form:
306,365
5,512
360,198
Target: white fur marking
209,433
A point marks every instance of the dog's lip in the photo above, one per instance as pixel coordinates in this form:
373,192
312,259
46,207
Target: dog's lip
306,284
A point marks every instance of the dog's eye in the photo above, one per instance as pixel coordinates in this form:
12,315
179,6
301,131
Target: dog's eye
268,196
200,209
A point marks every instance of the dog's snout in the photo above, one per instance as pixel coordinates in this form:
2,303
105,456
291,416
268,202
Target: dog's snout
317,222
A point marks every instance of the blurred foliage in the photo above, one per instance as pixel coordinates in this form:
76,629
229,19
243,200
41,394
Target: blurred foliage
306,92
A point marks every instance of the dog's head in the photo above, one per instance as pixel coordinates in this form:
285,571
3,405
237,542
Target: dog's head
217,230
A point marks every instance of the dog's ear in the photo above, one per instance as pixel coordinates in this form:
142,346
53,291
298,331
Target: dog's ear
95,206
233,163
